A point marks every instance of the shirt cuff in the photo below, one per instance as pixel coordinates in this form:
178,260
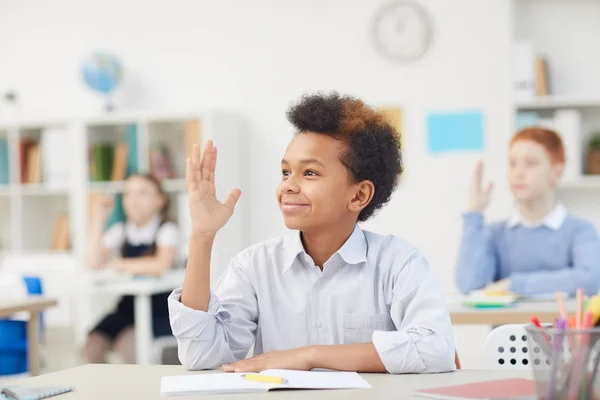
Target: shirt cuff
397,353
518,283
189,323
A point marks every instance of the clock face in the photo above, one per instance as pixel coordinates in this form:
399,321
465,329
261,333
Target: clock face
401,31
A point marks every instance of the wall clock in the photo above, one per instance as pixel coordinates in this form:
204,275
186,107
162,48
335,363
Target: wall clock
401,31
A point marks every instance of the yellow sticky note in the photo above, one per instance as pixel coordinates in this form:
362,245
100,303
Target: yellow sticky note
394,117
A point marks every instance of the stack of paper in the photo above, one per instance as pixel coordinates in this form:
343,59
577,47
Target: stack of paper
483,299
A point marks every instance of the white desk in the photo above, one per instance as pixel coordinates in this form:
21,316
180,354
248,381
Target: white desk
142,289
33,305
520,313
143,382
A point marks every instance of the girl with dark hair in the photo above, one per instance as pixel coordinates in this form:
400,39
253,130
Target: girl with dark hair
145,244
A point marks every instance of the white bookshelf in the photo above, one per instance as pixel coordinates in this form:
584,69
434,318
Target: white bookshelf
585,182
551,102
29,211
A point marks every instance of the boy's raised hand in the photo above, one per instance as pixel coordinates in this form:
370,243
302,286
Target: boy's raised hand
208,214
479,197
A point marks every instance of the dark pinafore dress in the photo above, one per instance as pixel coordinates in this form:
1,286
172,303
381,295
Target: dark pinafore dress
113,324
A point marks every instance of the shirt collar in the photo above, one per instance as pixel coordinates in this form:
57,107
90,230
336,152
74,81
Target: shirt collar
353,251
553,220
137,233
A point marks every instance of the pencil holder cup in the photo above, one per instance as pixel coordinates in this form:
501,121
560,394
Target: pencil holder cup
565,362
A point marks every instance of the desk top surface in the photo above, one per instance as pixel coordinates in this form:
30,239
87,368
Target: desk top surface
517,313
96,381
113,283
29,303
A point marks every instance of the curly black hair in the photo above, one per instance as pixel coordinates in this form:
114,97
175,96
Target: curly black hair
373,149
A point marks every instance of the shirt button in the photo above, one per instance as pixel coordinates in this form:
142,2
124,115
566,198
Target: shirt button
319,325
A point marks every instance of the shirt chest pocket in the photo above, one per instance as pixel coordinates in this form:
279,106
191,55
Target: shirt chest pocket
358,328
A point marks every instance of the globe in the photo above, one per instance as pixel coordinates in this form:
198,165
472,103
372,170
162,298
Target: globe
102,72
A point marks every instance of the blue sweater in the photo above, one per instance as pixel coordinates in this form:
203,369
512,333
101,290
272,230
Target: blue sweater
538,260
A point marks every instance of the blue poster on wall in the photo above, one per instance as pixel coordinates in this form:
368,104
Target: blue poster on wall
455,131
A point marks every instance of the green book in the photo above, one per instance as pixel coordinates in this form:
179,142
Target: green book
4,175
117,214
132,153
103,161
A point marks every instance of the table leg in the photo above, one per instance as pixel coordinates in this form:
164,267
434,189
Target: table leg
143,328
33,343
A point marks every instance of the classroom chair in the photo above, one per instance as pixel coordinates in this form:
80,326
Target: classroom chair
34,287
13,337
159,347
506,347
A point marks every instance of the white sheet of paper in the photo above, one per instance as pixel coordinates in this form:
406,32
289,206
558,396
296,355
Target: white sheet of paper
319,380
235,383
208,383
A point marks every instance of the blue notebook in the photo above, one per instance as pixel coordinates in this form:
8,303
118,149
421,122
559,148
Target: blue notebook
32,393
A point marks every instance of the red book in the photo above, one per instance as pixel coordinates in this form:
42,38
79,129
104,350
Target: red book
517,388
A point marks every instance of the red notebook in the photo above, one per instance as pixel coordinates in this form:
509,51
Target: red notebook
518,388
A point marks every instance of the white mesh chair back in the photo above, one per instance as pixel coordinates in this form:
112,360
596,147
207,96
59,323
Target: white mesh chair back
506,347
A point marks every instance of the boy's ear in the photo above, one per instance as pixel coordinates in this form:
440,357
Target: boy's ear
557,171
363,196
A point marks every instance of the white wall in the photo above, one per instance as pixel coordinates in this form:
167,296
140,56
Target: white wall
257,57
567,32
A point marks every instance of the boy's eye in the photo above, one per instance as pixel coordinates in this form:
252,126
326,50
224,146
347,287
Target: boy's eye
311,173
285,172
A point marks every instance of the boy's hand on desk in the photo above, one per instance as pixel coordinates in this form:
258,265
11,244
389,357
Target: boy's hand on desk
296,359
502,286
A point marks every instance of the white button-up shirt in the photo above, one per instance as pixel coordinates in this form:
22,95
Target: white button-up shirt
374,288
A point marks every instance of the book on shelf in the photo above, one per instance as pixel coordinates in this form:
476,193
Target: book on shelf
43,160
103,161
4,171
55,171
108,161
25,146
114,161
61,234
541,76
530,72
160,162
34,164
119,168
132,146
524,84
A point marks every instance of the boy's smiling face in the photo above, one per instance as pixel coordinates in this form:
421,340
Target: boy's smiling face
316,189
